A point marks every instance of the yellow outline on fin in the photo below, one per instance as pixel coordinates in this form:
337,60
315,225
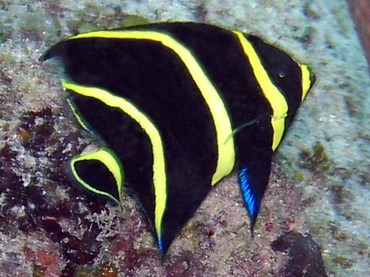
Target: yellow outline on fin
110,160
159,166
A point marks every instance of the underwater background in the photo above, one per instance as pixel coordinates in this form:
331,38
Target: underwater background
314,218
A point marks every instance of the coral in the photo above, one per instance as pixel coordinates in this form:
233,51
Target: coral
303,255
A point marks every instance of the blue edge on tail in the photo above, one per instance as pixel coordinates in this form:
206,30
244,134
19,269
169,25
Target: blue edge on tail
249,196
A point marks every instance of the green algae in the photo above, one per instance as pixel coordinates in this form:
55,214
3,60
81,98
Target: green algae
343,262
316,160
133,20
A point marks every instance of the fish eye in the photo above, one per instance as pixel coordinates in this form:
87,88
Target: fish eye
282,74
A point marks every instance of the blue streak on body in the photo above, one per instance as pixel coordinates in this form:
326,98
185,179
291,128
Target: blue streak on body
249,196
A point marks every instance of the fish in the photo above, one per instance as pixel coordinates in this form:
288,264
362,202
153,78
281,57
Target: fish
178,107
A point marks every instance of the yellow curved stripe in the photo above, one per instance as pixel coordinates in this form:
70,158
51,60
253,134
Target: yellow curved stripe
108,158
159,167
276,99
226,150
306,80
78,117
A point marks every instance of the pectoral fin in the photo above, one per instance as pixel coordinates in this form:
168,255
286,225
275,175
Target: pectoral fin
99,172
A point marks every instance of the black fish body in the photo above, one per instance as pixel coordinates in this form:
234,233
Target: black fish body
179,106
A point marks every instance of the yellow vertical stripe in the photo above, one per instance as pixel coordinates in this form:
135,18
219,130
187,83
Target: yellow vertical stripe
271,92
226,151
159,167
306,80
